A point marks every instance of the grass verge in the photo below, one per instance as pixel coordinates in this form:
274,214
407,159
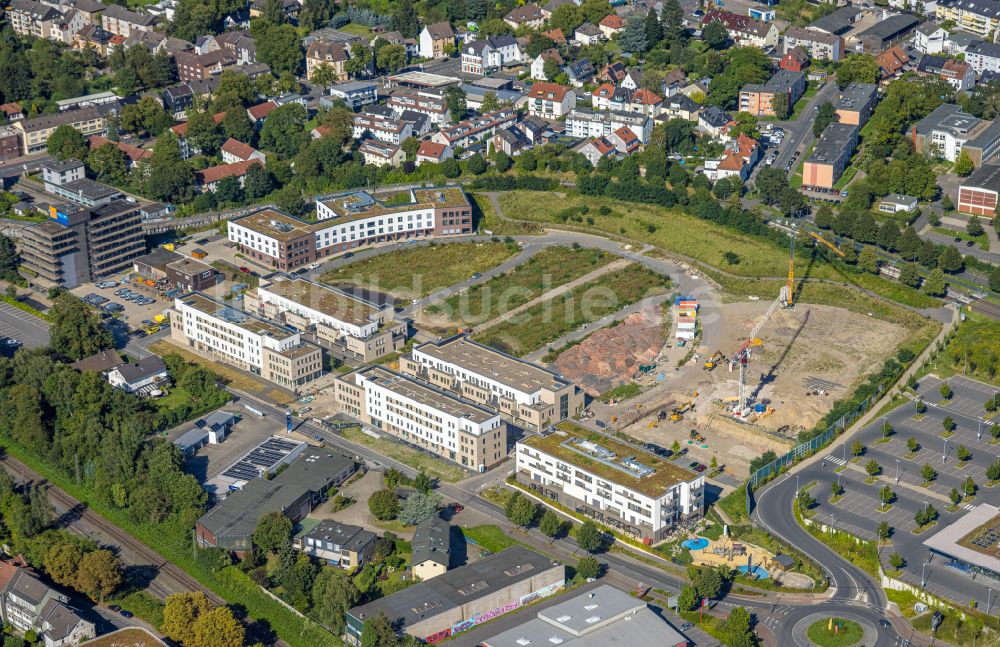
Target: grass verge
412,457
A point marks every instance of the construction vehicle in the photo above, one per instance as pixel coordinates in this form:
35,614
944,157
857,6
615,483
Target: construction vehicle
679,412
741,358
696,437
714,360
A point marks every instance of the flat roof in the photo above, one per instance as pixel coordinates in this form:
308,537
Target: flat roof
426,394
274,224
189,265
889,27
985,177
356,205
835,139
328,300
457,587
566,444
263,458
973,539
425,79
240,318
238,513
476,358
856,96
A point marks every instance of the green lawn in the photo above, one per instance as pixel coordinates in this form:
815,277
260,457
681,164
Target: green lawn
546,270
982,241
490,537
843,634
416,459
972,351
361,31
800,105
846,178
549,320
487,220
421,270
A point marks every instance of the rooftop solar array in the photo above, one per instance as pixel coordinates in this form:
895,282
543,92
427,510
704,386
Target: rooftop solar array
263,458
988,537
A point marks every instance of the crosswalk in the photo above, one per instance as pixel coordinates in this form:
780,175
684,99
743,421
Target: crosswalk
835,460
968,506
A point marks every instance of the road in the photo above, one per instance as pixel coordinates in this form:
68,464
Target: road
798,133
26,327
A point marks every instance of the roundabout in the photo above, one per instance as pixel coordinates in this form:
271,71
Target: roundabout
817,630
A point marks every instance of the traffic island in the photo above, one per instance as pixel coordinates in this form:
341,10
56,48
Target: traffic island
835,632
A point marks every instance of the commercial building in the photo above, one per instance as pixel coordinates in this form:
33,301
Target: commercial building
424,416
272,351
978,193
639,494
818,44
856,103
831,155
66,179
980,17
431,546
491,54
338,544
588,124
176,270
294,492
355,326
896,203
76,244
949,130
528,395
971,544
600,617
463,598
760,99
884,34
348,221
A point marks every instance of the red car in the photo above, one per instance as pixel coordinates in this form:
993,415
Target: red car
245,270
457,507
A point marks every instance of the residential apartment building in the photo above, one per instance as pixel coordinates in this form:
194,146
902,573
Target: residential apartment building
426,101
491,54
354,94
379,153
526,394
338,544
978,194
470,131
980,17
272,351
583,124
435,39
550,100
28,604
637,493
424,416
32,18
745,30
949,130
191,65
983,56
821,45
119,20
35,132
831,155
759,99
77,244
240,44
357,327
931,38
332,55
433,152
528,15
384,129
348,221
856,103
957,74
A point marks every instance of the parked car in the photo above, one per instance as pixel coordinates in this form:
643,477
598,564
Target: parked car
126,614
476,275
457,507
244,269
970,243
107,284
139,333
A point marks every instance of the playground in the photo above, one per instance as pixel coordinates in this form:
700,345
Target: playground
750,560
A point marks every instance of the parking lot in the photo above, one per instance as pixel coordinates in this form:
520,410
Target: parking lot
28,329
131,312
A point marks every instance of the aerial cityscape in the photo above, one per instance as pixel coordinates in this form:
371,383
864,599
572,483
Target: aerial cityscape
592,323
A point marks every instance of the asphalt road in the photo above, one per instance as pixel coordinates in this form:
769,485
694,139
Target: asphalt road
18,324
798,133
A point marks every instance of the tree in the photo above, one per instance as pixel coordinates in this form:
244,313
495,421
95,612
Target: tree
896,561
836,489
404,19
826,114
928,473
419,506
360,62
963,453
780,105
993,470
62,563
715,35
588,568
99,574
946,394
738,629
76,331
550,525
963,164
450,168
203,134
391,58
257,182
491,102
858,68
217,628
274,12
824,216
707,581
868,260
633,37
909,275
146,117
423,482
333,594
278,46
520,510
165,175
884,530
66,142
229,190
283,132
974,227
955,496
873,468
995,274
912,444
273,532
969,487
503,162
378,632
934,284
950,260
454,98
108,163
589,537
886,495
384,504
476,164
180,612
550,69
857,448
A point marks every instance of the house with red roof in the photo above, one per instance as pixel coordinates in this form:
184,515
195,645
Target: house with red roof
647,102
892,61
738,160
133,154
538,65
611,25
597,149
236,151
181,131
433,152
259,112
556,36
550,100
208,179
624,140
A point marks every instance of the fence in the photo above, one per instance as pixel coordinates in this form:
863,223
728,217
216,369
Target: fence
807,448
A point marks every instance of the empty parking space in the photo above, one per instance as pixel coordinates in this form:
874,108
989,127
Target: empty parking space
25,327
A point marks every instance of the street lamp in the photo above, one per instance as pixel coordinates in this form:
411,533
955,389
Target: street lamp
944,452
796,485
989,599
923,577
885,426
845,453
897,470
979,431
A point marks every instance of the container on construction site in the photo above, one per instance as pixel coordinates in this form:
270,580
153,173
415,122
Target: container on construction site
687,303
760,408
687,313
686,325
678,299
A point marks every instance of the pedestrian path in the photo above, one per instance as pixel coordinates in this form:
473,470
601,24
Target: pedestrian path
836,460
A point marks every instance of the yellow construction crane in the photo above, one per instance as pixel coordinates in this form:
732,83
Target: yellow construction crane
791,262
820,239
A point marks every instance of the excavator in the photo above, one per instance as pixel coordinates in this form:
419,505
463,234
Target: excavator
679,412
714,360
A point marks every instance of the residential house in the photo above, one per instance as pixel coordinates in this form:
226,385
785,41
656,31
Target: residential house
201,66
930,38
338,544
332,55
550,100
290,8
579,72
551,6
209,178
819,44
384,129
28,604
713,121
611,25
957,74
983,57
94,37
743,29
141,376
633,78
610,97
556,36
435,39
892,61
486,56
354,94
259,112
431,546
510,140
624,140
597,149
738,160
646,102
12,111
133,154
795,60
236,151
180,130
433,152
119,20
177,99
240,44
529,15
65,28
538,65
613,73
680,106
411,45
588,34
379,153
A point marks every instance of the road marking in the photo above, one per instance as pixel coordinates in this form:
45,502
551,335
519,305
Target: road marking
836,461
968,506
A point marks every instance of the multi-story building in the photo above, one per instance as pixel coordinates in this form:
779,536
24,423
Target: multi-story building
275,352
191,65
980,17
957,74
379,153
948,131
32,18
830,156
240,44
435,39
431,546
333,55
528,395
28,604
426,101
491,54
66,179
384,129
424,416
338,544
856,103
36,131
760,99
745,30
978,193
354,94
586,124
931,38
528,15
355,326
983,56
77,244
818,44
348,221
468,132
119,20
639,494
550,100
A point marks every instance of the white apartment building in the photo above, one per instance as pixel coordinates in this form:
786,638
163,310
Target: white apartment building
529,395
426,101
470,131
274,352
637,493
422,415
983,57
588,124
384,129
550,100
979,17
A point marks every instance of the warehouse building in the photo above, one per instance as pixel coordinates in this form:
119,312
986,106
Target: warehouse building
463,598
639,494
885,33
978,193
830,156
525,394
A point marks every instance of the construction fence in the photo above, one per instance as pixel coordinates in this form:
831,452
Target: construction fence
808,448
